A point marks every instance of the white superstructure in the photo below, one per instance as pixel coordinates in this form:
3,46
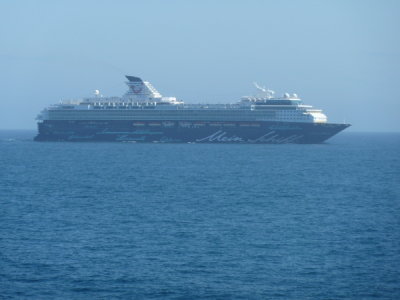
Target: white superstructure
142,101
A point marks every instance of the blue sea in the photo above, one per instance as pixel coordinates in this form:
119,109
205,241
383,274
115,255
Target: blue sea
200,221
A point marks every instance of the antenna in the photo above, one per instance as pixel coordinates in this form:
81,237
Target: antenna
262,89
266,92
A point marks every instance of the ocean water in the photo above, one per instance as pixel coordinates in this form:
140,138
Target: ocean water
200,221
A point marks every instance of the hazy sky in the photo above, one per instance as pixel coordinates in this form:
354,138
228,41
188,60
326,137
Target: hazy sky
341,56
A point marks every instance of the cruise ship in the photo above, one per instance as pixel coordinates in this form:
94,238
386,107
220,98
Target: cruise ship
142,114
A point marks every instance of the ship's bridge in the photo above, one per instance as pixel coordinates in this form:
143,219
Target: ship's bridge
289,107
266,96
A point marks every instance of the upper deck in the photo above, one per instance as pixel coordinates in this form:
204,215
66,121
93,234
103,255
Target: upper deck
143,101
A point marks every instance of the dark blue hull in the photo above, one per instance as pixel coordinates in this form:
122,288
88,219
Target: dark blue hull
187,131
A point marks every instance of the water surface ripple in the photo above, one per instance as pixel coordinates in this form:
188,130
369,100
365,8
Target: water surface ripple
200,221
